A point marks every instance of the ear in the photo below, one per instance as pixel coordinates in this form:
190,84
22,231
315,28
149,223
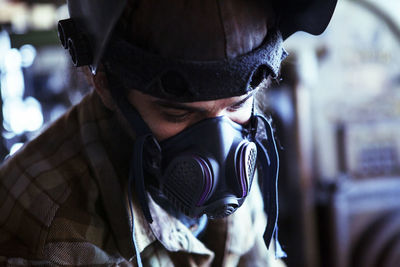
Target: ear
100,83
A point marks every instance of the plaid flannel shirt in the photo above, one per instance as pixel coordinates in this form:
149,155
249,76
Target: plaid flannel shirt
63,201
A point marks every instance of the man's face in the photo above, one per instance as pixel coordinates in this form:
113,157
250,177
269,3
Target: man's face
167,118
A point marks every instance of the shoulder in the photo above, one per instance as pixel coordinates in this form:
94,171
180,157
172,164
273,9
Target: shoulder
52,194
34,184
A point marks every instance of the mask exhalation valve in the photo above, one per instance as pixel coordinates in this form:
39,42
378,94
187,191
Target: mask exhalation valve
222,211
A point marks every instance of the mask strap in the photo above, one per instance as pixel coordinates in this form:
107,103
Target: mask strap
143,133
131,115
136,176
130,184
269,160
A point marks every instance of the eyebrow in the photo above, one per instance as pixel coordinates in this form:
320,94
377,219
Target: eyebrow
176,105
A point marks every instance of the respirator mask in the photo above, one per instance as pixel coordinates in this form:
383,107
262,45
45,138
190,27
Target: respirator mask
208,168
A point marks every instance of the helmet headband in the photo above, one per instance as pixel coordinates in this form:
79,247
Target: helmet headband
190,81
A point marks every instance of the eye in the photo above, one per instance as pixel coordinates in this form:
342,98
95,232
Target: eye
241,105
176,116
235,107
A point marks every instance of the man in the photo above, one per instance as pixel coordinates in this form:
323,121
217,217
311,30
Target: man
147,168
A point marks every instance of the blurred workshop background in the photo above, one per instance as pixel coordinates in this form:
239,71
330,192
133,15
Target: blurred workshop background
336,113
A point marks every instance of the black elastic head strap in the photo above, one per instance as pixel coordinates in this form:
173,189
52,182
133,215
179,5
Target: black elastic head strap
136,175
190,81
143,135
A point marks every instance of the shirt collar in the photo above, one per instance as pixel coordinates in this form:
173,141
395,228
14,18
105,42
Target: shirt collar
166,229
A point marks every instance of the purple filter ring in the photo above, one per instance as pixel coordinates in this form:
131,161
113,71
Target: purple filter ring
208,177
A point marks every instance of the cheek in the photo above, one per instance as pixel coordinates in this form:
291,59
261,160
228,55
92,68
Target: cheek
163,130
159,127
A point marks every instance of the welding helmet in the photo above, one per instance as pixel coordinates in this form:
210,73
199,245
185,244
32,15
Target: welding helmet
252,45
86,34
